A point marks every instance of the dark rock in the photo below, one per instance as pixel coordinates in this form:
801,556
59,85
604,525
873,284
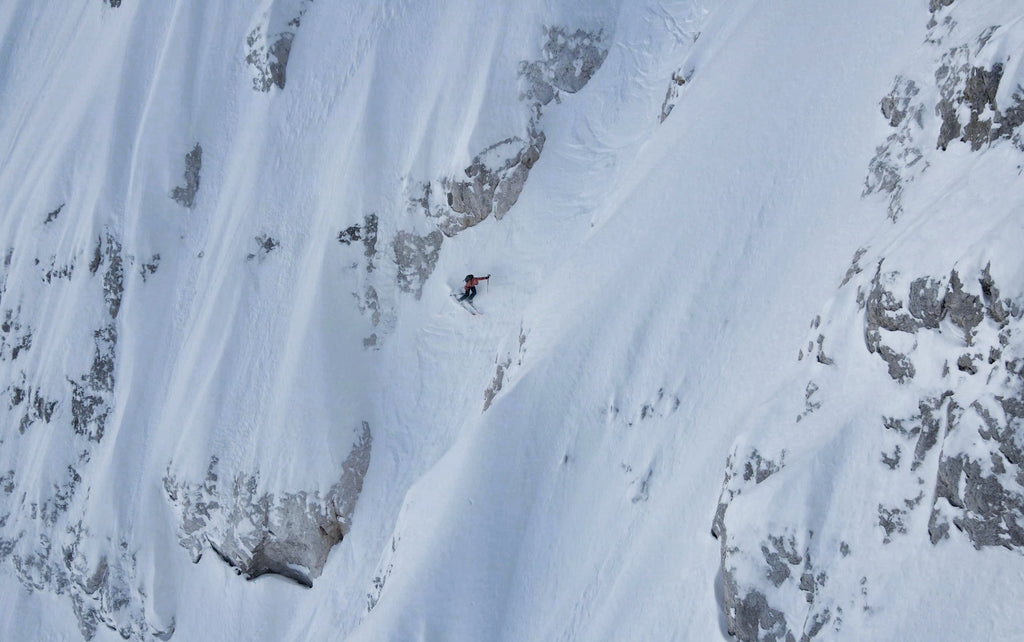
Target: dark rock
185,195
950,129
855,267
930,423
884,310
759,468
52,216
779,557
901,368
896,106
965,310
997,310
966,364
269,45
925,302
938,528
891,521
753,619
899,158
265,244
270,62
980,95
892,461
366,234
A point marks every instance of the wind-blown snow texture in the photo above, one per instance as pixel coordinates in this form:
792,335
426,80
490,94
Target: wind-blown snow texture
227,350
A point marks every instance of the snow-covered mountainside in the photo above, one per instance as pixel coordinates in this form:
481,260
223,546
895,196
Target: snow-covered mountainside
750,364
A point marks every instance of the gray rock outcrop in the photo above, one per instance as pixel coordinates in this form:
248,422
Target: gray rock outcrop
269,43
185,195
287,534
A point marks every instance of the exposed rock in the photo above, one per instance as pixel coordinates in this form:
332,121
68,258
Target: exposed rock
980,94
965,310
103,591
503,369
367,234
57,272
495,179
269,61
925,302
37,407
755,467
971,89
265,244
269,43
258,533
675,84
7,482
382,577
999,310
495,387
966,109
15,338
101,585
568,62
52,216
643,490
415,257
899,103
985,495
149,268
92,393
780,557
900,158
928,302
759,468
787,567
185,195
751,618
966,364
893,460
496,176
855,266
966,441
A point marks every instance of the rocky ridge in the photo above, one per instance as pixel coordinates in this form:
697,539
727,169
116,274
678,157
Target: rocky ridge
944,351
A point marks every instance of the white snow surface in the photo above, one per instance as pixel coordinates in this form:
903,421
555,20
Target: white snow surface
649,293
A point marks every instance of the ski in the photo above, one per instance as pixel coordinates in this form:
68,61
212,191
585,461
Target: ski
467,305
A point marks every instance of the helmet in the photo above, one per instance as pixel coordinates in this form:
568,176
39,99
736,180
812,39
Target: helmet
469,277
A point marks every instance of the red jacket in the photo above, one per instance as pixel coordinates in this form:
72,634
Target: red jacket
472,282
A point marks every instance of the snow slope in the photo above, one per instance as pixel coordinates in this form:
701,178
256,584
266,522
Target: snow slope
230,231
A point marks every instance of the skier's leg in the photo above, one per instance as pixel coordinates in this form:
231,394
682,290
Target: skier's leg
471,293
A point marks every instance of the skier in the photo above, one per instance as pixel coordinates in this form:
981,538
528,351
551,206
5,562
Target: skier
470,287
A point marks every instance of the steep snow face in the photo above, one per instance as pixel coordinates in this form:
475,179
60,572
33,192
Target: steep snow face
229,232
